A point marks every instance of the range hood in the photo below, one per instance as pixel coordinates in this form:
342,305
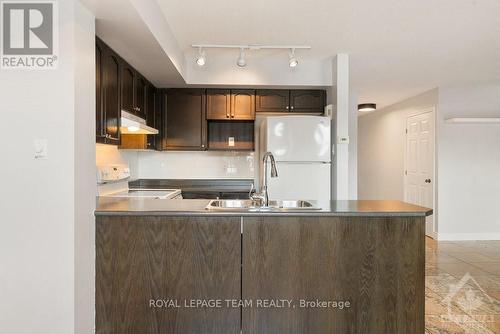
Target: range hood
133,125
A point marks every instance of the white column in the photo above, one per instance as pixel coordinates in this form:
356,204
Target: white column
341,122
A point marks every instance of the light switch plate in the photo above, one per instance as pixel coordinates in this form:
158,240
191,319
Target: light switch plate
41,148
230,141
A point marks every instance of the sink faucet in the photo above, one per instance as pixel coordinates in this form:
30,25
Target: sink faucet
263,196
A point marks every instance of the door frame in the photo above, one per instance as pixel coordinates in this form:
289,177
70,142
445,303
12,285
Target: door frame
432,110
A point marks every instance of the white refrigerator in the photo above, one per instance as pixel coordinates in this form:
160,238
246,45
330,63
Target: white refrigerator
302,151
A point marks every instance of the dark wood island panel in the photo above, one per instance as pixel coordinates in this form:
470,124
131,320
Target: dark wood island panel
375,263
143,258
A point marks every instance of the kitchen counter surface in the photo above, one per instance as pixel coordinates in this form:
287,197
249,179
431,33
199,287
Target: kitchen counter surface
109,206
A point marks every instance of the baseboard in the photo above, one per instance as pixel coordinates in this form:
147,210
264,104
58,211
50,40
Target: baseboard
467,236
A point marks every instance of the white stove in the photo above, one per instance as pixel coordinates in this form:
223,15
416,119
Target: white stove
112,181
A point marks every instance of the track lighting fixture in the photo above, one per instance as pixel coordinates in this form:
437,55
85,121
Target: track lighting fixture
292,62
241,62
201,60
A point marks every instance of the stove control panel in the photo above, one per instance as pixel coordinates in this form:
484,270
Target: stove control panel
113,173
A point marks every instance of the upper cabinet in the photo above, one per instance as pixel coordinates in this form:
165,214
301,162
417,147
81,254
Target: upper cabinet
120,87
242,104
185,123
128,88
305,101
272,100
107,95
133,91
151,119
299,101
99,115
230,105
140,96
218,104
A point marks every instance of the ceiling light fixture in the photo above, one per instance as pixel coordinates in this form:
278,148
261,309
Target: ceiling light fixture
292,62
367,107
201,60
241,62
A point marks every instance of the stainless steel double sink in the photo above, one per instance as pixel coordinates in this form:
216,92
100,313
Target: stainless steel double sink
251,205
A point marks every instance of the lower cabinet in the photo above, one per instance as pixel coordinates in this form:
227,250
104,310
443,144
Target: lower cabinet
149,267
146,264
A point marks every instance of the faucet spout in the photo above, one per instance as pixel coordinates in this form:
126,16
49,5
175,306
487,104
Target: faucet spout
274,173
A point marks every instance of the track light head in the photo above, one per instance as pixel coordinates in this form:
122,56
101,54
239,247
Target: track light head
241,62
201,60
292,62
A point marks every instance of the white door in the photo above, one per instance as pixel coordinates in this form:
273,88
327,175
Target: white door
298,138
306,181
419,175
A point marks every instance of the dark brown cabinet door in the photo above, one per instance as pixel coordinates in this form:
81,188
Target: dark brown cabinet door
140,96
304,101
242,104
99,111
334,258
272,100
150,114
184,259
185,121
218,104
111,96
128,89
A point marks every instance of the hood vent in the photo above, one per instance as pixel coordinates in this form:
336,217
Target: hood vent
133,125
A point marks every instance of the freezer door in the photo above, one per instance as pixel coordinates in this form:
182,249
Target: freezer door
299,138
305,181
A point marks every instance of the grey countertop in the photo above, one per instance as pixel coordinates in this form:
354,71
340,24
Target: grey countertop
111,206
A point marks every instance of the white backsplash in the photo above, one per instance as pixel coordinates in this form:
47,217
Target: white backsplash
179,165
195,165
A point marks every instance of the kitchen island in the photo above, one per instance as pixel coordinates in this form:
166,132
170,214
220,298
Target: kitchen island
171,266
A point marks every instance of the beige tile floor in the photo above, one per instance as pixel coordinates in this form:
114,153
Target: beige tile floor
462,287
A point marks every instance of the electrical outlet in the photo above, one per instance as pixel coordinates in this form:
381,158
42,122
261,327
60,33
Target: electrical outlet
230,141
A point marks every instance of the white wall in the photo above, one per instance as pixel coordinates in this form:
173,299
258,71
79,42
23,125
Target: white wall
85,176
272,70
468,164
467,159
37,239
381,147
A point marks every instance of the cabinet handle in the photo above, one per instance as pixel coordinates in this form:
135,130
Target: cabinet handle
202,145
291,107
286,107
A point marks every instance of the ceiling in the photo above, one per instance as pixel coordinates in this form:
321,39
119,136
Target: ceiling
125,32
398,48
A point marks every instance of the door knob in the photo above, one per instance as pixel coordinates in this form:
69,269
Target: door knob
428,181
